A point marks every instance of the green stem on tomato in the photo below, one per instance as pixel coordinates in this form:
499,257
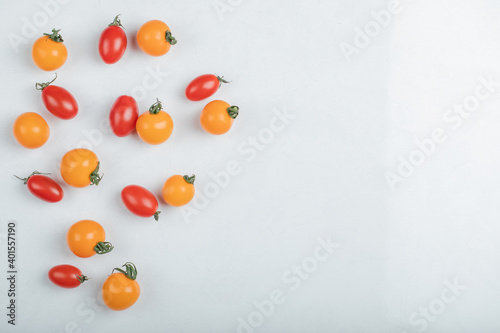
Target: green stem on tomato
156,107
116,22
221,80
103,247
55,36
41,86
130,270
233,111
189,180
95,178
82,278
170,38
156,215
25,180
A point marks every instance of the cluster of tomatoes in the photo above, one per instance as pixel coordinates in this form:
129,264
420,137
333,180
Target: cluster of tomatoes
80,167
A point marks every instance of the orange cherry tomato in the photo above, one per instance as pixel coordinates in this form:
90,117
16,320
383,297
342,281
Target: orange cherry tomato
154,126
120,290
218,116
49,52
85,238
31,130
80,168
178,190
154,38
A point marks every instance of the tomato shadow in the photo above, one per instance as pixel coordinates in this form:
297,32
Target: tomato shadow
7,129
163,207
182,90
132,40
23,54
195,121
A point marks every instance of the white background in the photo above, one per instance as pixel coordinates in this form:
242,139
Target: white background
322,176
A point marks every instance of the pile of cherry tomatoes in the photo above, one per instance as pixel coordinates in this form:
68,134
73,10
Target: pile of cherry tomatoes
80,167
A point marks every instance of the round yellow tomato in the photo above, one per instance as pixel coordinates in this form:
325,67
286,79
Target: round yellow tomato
85,238
49,52
178,190
218,116
154,38
120,290
154,126
31,130
80,168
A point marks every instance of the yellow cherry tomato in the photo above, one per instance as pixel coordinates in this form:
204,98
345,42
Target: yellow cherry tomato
31,130
178,190
80,168
85,238
218,116
120,290
154,126
49,52
154,38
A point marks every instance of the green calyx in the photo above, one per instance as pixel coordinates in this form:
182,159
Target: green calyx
82,278
116,22
25,180
189,180
41,86
156,215
95,178
221,80
233,111
55,36
103,247
170,39
130,270
155,108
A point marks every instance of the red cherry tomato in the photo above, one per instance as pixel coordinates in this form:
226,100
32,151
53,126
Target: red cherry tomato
140,201
113,42
66,276
58,100
204,86
123,115
43,187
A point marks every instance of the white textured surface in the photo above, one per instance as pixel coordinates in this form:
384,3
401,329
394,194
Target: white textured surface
322,175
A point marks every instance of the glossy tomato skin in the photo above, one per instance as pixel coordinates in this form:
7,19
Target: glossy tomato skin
215,117
45,188
59,102
47,54
202,87
66,276
139,200
112,44
120,292
177,191
154,128
152,38
83,236
123,115
31,130
79,168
